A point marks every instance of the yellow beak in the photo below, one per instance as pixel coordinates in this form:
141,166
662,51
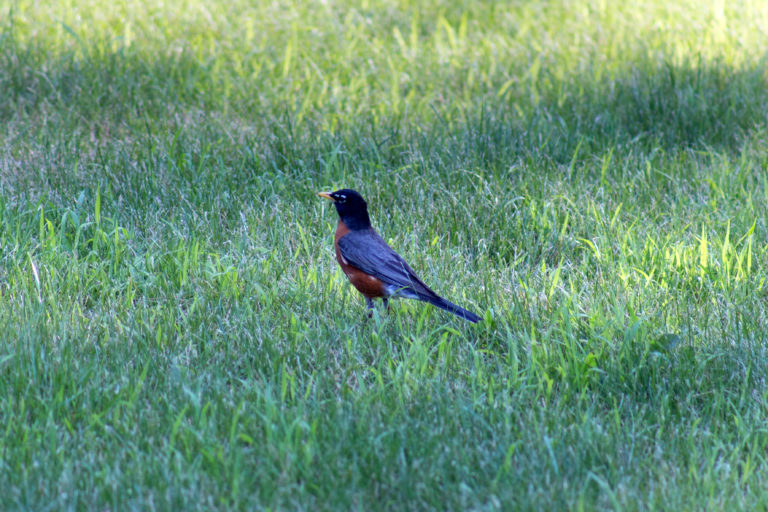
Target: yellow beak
326,195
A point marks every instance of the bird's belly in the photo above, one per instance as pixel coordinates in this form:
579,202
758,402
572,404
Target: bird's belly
368,285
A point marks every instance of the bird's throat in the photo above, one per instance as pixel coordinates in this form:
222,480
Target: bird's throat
357,221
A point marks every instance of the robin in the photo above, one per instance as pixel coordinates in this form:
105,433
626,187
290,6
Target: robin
371,265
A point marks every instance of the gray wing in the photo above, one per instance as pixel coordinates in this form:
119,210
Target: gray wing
367,251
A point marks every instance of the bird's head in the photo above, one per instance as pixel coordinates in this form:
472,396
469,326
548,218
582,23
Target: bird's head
351,207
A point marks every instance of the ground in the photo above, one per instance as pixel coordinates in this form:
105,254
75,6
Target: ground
591,178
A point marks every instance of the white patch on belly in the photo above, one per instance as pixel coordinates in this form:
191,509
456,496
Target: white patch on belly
391,290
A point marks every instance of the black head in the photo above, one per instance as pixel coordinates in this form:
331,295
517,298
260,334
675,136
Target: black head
351,206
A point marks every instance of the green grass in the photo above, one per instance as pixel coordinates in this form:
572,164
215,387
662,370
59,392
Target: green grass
590,177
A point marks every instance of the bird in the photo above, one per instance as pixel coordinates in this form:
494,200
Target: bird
371,265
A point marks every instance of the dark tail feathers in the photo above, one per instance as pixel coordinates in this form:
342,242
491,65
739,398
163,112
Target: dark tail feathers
452,308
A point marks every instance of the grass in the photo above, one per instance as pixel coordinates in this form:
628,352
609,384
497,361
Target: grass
589,177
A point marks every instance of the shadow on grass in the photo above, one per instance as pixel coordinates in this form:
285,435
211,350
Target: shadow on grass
171,114
693,103
689,106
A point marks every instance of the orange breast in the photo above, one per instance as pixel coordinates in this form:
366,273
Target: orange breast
366,284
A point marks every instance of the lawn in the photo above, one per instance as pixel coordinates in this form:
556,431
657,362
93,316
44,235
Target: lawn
590,177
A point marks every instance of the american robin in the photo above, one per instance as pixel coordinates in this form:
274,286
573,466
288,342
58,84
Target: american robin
371,265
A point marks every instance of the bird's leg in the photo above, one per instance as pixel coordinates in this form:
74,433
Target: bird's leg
386,303
369,305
